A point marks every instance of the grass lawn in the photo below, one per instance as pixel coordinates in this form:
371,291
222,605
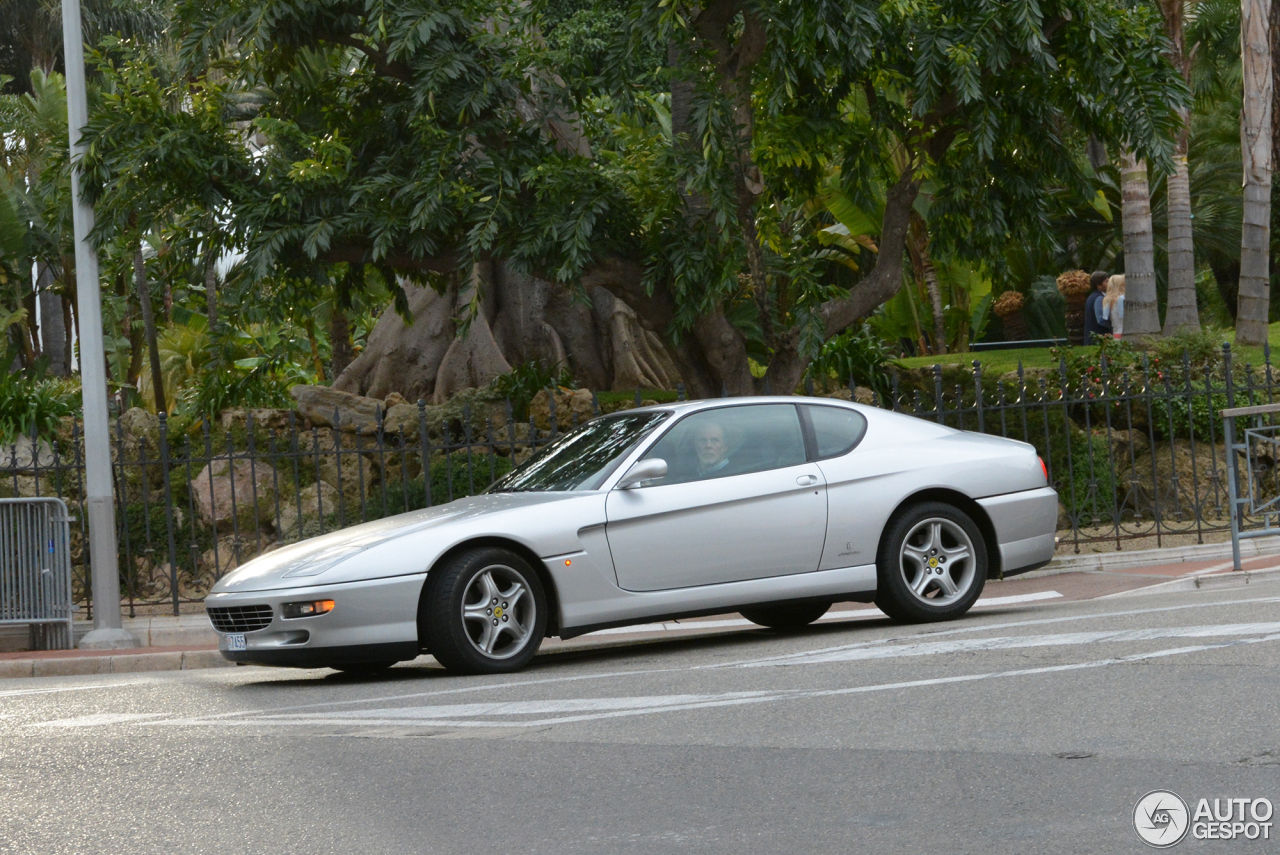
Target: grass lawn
1001,361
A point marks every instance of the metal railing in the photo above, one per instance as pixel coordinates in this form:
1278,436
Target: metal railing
1137,453
1255,496
35,570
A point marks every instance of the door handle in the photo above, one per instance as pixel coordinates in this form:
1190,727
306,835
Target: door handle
807,480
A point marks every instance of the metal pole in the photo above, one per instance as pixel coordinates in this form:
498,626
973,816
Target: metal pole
107,632
1233,489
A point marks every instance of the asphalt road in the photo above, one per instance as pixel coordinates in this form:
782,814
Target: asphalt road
1031,728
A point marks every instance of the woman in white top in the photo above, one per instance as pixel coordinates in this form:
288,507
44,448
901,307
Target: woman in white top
1113,304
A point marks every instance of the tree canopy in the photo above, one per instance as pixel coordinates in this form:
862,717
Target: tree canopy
687,160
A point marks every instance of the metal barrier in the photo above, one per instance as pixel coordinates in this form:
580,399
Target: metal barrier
1259,449
35,570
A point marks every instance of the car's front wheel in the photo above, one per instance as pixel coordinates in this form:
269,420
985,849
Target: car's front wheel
787,616
932,564
484,612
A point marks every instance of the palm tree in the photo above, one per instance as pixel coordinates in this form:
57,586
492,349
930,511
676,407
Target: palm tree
1141,316
1180,312
1255,147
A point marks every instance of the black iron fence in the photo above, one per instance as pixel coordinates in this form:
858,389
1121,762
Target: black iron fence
1134,448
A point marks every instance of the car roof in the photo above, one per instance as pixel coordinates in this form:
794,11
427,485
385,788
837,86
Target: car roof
682,407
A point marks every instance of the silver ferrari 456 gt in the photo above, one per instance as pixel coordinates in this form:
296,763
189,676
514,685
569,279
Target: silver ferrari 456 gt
771,507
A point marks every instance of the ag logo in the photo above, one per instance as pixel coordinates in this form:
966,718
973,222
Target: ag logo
1161,818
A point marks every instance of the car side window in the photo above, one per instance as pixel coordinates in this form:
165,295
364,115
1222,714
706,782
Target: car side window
731,441
836,429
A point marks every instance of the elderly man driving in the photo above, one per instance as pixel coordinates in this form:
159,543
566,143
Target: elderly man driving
712,449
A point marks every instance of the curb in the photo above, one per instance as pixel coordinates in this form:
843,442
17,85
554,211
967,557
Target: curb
1104,561
118,663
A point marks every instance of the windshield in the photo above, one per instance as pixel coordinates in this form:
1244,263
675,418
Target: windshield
581,459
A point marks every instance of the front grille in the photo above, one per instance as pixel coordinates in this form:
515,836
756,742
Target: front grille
240,618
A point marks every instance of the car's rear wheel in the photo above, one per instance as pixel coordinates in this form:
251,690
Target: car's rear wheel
787,616
484,612
932,564
362,669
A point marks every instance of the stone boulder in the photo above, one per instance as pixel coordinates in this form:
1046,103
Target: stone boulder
26,455
573,407
1162,479
137,423
317,500
322,405
214,486
263,417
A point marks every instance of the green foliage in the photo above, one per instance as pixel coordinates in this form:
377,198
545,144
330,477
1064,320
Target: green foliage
524,381
856,355
34,406
1196,415
246,369
453,476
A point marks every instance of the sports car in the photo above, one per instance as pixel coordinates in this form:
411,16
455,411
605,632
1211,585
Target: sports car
771,507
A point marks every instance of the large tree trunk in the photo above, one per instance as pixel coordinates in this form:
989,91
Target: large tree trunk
521,319
149,327
1180,313
1255,146
1141,315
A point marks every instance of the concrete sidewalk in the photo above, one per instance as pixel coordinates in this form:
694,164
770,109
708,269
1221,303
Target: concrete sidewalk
188,641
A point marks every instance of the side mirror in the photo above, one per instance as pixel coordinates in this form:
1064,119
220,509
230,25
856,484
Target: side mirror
645,470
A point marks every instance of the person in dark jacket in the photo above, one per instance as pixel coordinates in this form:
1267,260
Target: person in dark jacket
1096,324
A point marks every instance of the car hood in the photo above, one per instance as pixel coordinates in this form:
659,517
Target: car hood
303,562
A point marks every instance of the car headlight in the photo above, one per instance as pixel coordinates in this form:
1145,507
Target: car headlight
308,609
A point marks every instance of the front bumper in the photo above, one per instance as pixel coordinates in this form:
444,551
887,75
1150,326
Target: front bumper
1025,523
372,621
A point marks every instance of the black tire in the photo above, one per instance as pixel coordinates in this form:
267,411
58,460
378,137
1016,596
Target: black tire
786,616
915,583
362,669
459,643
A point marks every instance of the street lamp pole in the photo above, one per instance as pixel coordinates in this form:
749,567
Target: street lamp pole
107,632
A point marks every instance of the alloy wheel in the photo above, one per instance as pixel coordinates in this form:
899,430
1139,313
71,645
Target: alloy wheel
937,561
498,612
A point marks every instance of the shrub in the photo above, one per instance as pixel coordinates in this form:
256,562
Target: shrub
450,479
857,356
33,406
522,383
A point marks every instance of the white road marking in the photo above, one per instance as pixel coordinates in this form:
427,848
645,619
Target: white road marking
1014,642
595,709
509,684
849,614
99,719
44,691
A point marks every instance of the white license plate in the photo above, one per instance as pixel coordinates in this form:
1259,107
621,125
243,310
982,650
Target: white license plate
233,641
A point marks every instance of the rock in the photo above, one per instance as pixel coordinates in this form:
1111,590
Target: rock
395,399
26,455
137,423
320,405
1150,481
213,489
573,407
220,562
401,418
263,417
317,500
860,394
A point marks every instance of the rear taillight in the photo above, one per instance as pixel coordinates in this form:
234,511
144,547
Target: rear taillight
1044,469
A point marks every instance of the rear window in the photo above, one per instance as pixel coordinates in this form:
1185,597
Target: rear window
836,429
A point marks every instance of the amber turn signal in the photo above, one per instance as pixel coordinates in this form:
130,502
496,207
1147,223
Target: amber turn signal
311,609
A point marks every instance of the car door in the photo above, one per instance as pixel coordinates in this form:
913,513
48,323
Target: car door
740,501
